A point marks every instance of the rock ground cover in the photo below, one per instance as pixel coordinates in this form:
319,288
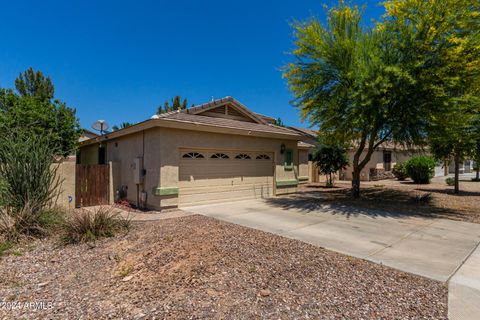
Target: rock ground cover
405,197
198,267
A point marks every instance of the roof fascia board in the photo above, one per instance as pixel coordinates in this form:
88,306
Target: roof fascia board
179,124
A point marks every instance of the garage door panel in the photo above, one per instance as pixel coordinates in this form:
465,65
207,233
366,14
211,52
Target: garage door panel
221,184
224,181
205,169
257,191
207,180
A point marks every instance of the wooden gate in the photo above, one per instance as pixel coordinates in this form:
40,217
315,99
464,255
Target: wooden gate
92,185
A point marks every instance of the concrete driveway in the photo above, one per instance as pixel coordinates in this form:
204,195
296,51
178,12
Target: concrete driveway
434,248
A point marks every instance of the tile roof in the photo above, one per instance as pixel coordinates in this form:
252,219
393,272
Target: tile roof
305,131
225,123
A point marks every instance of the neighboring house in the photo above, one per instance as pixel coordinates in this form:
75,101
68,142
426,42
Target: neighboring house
87,135
216,151
466,166
379,167
381,163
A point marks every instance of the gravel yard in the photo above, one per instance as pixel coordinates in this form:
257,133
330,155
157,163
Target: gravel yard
199,267
404,197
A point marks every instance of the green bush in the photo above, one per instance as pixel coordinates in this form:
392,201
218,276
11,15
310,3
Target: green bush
400,171
421,169
450,181
86,226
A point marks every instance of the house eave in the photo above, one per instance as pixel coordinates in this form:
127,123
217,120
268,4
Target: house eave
186,125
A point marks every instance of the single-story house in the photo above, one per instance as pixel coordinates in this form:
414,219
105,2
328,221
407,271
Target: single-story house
381,163
216,151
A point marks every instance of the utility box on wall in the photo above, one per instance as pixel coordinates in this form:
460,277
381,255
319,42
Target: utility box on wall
138,171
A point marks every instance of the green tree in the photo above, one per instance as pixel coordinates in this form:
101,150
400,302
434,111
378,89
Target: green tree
346,78
33,112
329,159
175,104
440,43
279,122
34,84
123,125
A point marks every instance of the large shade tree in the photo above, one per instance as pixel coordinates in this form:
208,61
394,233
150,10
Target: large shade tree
347,79
440,45
34,111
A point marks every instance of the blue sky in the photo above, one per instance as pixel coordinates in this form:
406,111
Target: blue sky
118,60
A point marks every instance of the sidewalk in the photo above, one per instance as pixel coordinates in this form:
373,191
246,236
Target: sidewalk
464,290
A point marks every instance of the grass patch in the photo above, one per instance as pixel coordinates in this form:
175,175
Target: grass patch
86,226
5,247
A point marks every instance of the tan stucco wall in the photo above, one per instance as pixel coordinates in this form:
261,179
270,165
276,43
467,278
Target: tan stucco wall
161,158
122,153
89,154
66,174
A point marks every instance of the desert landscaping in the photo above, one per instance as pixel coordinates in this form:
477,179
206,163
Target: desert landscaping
198,267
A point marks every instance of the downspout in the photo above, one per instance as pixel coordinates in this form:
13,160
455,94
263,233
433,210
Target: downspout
143,168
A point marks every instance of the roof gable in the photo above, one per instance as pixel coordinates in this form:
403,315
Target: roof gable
228,108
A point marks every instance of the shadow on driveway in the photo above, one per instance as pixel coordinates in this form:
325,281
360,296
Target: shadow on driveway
375,202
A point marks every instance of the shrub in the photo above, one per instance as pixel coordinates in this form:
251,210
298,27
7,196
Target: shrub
329,159
27,176
84,226
400,171
28,186
15,224
421,169
450,181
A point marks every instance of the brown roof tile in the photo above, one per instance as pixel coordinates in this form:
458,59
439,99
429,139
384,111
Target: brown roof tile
226,123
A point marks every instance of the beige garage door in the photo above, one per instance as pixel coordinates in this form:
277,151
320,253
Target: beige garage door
220,175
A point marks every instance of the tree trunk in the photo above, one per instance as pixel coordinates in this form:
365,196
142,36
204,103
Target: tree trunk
457,174
356,184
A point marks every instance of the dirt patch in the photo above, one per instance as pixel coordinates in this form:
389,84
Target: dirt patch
198,267
404,197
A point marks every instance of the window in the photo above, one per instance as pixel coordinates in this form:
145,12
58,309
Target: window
387,161
263,157
242,156
193,155
219,156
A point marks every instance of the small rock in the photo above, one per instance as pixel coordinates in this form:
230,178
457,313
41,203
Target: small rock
139,316
128,278
264,292
43,284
